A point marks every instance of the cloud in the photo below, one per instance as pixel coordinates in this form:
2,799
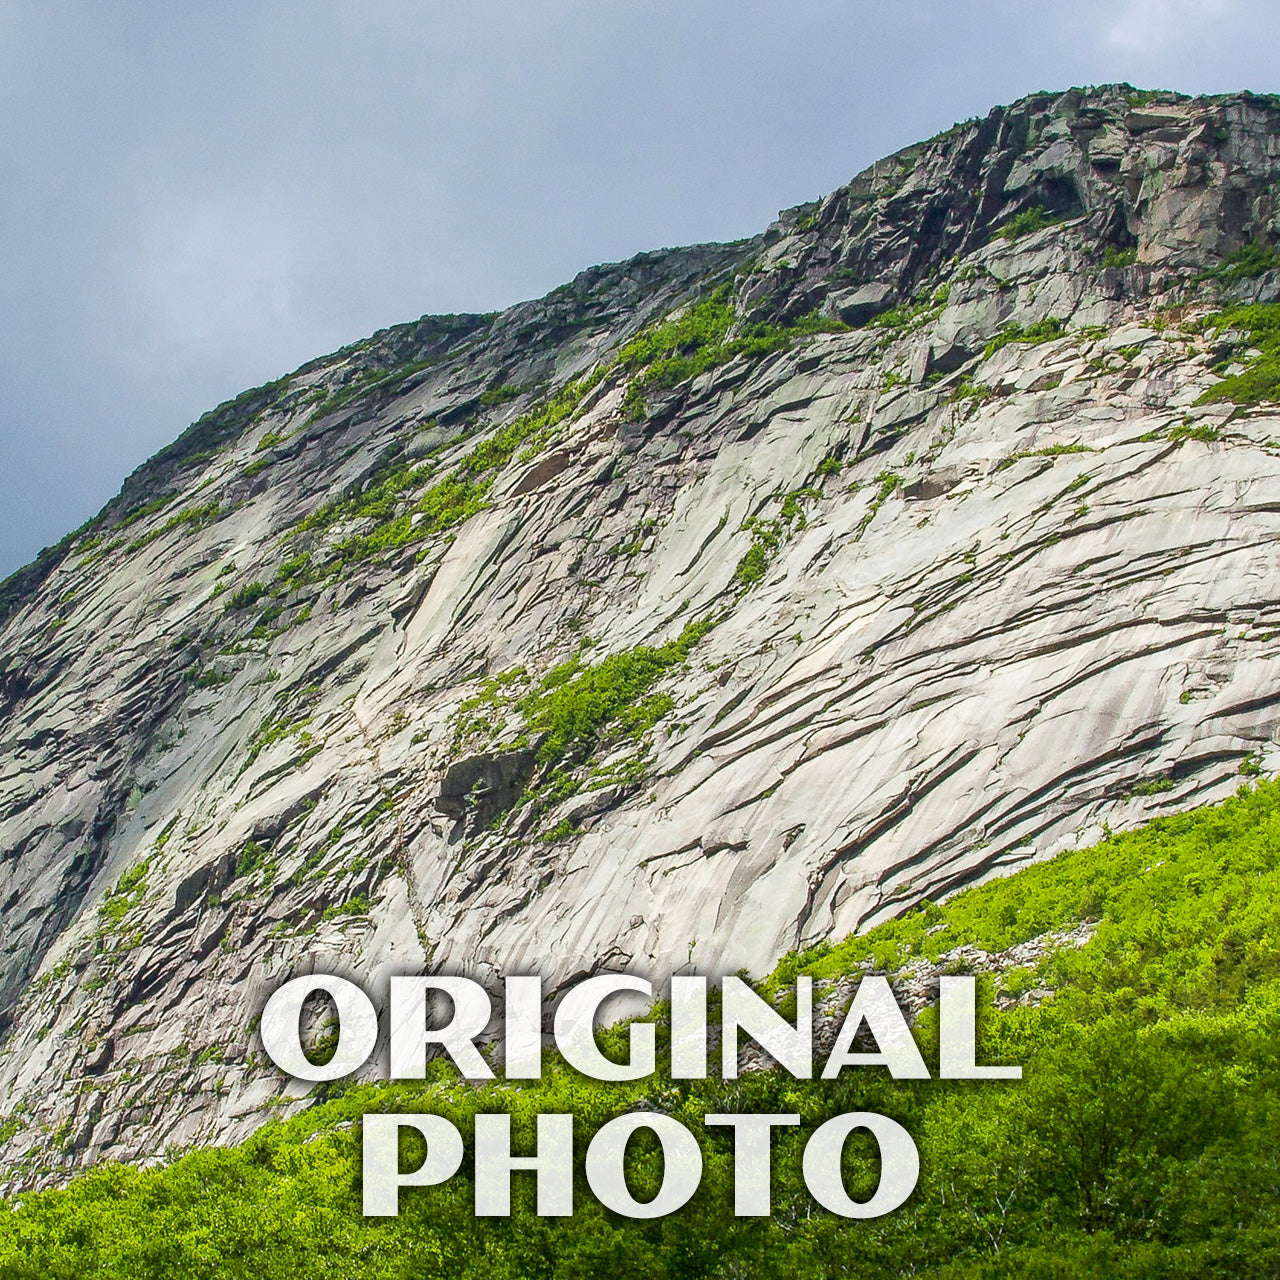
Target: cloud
1154,26
216,272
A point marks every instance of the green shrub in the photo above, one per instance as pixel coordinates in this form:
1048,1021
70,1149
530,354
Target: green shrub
1244,264
968,389
295,568
357,906
574,703
1024,223
1261,379
1205,432
192,518
141,512
755,560
1042,331
1049,451
1114,257
363,383
252,857
495,396
127,893
676,350
246,597
888,481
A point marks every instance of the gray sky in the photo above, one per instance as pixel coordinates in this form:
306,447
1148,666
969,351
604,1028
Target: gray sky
198,198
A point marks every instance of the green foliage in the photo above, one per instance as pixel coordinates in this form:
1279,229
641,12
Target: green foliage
1024,223
495,396
664,355
1114,257
253,857
1206,433
887,481
402,521
190,519
676,350
1042,331
363,383
1049,451
765,538
210,678
1244,264
295,568
141,512
565,829
127,893
1139,1144
269,441
284,722
357,906
246,597
911,315
968,389
1261,379
635,408
574,703
11,1127
767,535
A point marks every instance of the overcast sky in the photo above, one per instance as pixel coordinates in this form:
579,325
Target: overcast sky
198,198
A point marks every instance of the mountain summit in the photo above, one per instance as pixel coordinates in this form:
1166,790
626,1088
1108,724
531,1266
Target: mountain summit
722,601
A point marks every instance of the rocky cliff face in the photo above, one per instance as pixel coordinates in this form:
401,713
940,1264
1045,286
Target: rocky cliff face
721,601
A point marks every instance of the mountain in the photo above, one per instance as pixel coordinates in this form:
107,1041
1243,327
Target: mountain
723,602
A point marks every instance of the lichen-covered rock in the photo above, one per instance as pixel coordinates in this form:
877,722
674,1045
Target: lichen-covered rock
661,622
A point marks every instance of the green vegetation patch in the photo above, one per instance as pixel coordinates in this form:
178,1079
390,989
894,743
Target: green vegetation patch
664,355
1205,432
1260,323
680,348
127,893
1024,223
141,512
1032,335
1116,257
400,520
911,315
246,597
495,396
1245,264
887,482
363,383
190,519
577,708
575,702
767,535
968,389
1049,451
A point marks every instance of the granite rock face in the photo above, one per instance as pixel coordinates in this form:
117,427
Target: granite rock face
927,565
